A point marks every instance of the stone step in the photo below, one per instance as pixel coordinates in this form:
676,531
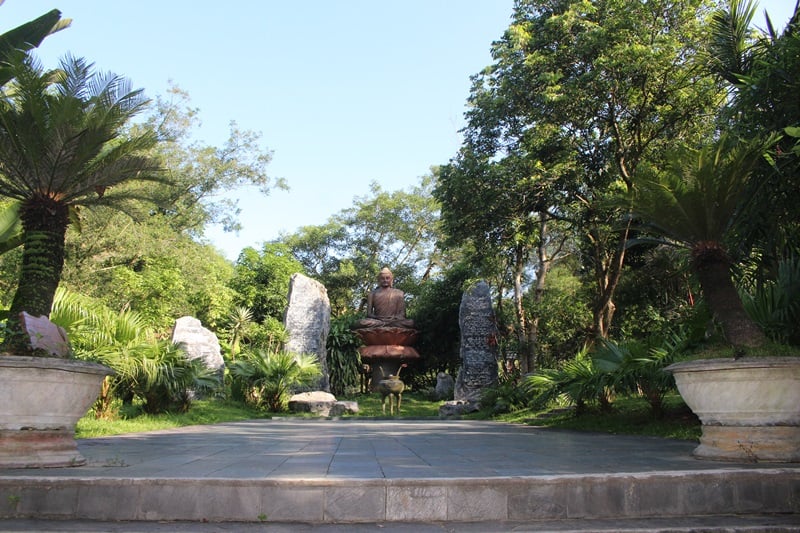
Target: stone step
663,495
706,524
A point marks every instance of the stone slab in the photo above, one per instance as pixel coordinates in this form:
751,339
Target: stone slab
420,500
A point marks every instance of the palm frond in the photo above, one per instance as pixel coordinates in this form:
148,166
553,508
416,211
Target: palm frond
730,38
62,133
699,195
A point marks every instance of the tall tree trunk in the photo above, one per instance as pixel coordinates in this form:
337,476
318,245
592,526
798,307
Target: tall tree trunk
726,305
542,267
45,224
524,349
607,274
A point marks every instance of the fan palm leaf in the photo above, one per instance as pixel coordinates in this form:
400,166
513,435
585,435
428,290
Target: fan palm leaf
270,375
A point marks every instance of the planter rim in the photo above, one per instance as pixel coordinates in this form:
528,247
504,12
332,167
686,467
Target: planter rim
728,363
72,365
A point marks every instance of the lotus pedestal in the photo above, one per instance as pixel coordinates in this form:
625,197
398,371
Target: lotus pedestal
387,348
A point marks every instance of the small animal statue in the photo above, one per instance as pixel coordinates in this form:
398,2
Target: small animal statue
392,388
365,378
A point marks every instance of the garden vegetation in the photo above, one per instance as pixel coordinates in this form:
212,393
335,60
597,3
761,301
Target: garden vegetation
627,185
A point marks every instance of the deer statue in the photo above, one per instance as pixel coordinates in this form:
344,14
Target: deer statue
365,378
392,388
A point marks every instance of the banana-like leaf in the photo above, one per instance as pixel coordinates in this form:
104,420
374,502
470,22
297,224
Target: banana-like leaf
11,234
28,36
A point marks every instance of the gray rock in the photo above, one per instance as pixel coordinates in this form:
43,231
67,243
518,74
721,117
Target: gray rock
344,408
478,344
456,408
308,320
199,343
316,402
444,386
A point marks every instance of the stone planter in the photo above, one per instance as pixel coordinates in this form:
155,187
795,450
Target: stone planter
41,400
749,408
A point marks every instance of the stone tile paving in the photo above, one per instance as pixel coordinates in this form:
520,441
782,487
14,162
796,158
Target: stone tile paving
375,449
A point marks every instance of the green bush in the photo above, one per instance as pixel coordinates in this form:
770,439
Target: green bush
775,305
266,377
637,367
577,381
146,367
344,360
505,397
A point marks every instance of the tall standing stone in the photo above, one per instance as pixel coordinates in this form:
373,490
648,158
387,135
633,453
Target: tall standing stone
478,344
308,321
199,343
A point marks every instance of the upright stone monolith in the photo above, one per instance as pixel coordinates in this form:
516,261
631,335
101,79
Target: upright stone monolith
308,321
478,344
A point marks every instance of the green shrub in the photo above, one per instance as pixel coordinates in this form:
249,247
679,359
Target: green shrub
344,361
577,381
637,367
504,397
266,377
775,305
146,367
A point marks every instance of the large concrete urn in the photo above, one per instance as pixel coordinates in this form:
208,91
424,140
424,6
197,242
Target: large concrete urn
41,400
749,408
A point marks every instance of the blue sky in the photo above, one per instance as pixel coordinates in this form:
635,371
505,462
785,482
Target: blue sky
344,92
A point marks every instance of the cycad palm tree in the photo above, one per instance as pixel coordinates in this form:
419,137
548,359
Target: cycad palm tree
694,203
62,145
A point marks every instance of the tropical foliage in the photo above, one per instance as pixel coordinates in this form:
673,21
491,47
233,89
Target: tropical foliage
775,305
149,370
632,368
575,382
598,125
637,367
694,203
344,360
61,147
762,74
18,41
266,377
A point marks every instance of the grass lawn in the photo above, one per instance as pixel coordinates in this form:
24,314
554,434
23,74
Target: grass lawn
630,416
201,412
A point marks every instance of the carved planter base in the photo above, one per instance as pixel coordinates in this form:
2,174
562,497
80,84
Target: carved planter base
749,408
41,400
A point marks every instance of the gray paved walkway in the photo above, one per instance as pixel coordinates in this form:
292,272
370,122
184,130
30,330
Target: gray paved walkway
369,449
421,473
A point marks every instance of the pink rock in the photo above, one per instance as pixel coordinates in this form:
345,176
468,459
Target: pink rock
44,335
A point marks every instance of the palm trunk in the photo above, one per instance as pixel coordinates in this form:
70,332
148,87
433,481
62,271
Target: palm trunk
723,300
45,223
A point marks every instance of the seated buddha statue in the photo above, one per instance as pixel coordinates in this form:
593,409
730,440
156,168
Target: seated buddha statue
386,306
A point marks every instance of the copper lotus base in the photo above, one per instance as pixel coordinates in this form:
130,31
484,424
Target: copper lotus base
388,336
387,351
